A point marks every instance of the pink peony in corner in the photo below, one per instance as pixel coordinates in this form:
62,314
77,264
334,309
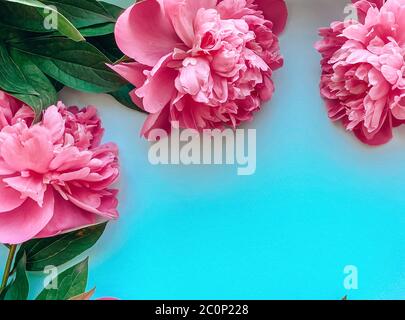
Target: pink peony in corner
202,63
55,176
13,110
363,70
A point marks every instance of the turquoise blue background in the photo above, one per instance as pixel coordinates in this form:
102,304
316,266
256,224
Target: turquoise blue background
319,201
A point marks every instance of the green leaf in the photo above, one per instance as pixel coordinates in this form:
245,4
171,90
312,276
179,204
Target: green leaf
22,17
12,78
70,283
31,15
84,13
56,84
45,92
98,30
122,96
19,287
20,77
113,10
61,249
107,45
8,33
79,65
4,292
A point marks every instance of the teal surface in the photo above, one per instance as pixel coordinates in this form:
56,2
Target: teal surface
319,201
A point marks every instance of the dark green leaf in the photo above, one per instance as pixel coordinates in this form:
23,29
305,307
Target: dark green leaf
113,10
19,287
107,45
98,29
70,283
61,249
32,15
21,17
45,92
122,96
78,65
21,78
56,84
83,13
11,77
11,34
4,292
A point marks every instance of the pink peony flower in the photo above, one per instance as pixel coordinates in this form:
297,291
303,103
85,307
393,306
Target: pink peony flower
54,175
11,110
201,63
363,70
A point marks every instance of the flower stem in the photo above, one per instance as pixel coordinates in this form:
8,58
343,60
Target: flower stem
7,269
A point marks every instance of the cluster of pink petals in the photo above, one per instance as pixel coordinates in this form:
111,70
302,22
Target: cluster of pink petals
202,63
363,70
54,175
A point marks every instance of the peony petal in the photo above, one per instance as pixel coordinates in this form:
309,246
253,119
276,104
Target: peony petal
9,198
376,3
159,89
102,205
401,26
135,99
31,150
276,11
195,71
390,74
13,110
5,169
24,113
398,107
28,187
364,5
70,159
356,32
358,56
67,217
132,72
144,33
182,14
26,221
158,120
379,137
379,86
80,174
53,121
